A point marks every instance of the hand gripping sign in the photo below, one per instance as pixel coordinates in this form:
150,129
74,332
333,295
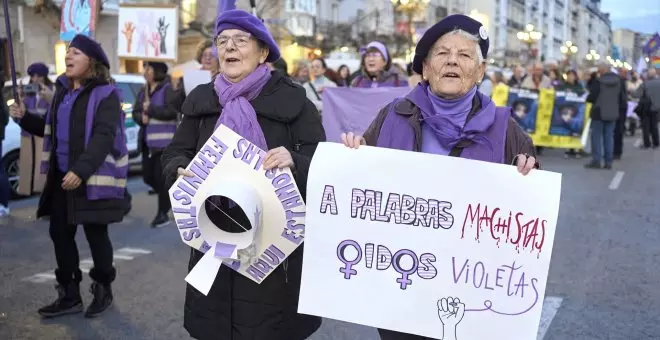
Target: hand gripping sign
230,166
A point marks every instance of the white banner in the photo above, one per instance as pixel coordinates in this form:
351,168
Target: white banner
437,246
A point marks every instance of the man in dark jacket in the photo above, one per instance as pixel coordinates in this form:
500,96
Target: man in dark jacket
5,191
609,104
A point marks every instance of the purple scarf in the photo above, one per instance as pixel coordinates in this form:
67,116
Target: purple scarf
237,112
446,118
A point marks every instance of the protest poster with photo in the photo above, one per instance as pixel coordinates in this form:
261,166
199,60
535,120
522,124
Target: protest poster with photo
568,115
539,113
353,109
266,206
461,251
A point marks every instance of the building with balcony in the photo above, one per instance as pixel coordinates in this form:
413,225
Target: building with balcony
594,29
628,43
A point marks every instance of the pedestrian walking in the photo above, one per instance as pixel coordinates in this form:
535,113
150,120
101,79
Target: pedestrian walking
274,113
609,103
157,119
86,165
648,109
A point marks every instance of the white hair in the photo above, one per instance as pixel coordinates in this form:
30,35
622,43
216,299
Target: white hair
472,37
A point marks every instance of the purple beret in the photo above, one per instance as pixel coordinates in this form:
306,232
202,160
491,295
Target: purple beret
90,48
244,21
39,69
444,26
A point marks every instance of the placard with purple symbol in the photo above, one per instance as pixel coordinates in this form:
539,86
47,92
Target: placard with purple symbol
437,246
229,167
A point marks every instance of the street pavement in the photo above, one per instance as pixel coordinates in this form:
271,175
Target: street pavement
603,281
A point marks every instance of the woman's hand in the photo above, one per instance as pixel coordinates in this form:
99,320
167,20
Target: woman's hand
278,158
145,119
185,173
352,140
17,110
71,181
525,163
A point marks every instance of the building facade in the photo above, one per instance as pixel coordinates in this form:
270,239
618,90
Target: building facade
594,29
628,43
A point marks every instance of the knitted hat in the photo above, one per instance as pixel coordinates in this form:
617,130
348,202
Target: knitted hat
444,26
244,21
39,69
90,48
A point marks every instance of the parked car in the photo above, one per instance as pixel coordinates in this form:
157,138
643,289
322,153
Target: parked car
129,86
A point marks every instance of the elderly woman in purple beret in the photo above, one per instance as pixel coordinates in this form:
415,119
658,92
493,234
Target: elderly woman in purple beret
445,114
86,165
375,69
272,112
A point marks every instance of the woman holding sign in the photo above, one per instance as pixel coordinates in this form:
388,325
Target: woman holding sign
445,114
86,166
272,112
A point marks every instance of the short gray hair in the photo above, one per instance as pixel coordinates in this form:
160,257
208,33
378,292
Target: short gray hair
472,37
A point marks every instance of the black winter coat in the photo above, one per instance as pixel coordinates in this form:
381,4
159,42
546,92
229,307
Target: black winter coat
84,161
238,308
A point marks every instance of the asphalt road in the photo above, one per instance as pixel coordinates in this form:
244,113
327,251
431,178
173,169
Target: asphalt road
603,281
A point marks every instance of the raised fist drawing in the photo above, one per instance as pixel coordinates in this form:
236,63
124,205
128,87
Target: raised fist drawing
450,312
162,32
127,31
154,41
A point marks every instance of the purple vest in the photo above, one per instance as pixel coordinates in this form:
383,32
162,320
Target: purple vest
159,133
109,180
35,107
397,132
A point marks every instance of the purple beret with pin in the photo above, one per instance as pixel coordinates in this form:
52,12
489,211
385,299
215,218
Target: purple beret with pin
444,26
90,48
39,69
244,21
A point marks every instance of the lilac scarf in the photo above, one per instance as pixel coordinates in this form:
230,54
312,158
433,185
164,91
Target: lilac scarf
446,118
237,112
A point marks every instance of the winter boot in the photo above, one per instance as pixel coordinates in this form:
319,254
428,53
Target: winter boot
102,300
161,220
68,301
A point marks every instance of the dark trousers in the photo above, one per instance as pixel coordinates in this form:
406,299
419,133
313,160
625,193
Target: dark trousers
619,130
63,235
152,171
650,129
5,190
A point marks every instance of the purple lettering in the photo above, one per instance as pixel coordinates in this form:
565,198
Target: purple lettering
187,189
357,202
404,280
188,235
207,150
191,211
240,148
181,197
186,223
426,268
328,200
219,145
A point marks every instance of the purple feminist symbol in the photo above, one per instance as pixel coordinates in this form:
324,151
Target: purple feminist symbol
396,259
347,269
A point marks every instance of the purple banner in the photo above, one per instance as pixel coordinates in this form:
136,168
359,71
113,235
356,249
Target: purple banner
353,109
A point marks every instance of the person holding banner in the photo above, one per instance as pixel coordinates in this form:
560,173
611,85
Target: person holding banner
158,122
375,69
445,114
272,112
37,97
86,162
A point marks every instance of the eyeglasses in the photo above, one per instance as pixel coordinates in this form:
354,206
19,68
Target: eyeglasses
239,40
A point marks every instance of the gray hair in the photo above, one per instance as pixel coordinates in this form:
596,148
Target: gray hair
472,37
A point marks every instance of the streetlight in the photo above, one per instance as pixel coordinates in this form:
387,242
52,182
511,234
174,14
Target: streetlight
593,56
410,8
530,36
568,49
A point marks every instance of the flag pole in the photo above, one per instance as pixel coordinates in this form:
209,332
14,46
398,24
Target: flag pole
10,47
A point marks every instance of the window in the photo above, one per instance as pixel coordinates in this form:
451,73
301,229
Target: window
128,93
188,11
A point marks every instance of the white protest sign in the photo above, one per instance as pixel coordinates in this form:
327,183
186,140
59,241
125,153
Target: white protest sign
193,78
436,246
230,166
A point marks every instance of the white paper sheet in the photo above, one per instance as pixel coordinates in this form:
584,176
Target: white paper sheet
193,78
